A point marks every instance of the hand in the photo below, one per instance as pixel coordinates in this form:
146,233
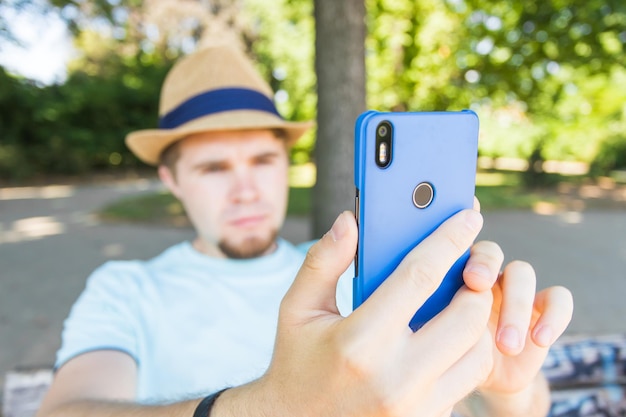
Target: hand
371,363
523,324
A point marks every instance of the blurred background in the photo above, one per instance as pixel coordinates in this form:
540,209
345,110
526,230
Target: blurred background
547,79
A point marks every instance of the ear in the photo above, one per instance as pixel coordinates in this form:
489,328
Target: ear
169,179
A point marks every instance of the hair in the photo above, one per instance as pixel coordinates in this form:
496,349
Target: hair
170,155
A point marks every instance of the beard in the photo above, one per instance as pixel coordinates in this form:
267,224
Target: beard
252,247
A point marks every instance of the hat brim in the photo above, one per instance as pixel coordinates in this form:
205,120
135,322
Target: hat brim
148,144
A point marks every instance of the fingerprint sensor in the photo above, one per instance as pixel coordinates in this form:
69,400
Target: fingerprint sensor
423,195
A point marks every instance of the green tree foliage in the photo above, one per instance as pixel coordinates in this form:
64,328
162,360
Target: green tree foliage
410,55
611,156
543,76
560,60
547,78
17,124
280,36
520,48
78,127
125,49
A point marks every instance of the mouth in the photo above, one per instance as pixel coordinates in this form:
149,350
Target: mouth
247,222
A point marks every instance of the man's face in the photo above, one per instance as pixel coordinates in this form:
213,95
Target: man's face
234,188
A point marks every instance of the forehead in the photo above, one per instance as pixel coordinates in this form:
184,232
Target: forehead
230,144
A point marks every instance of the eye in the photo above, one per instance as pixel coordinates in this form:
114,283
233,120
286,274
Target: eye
214,167
266,159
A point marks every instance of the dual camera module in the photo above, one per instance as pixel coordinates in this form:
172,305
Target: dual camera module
384,142
424,192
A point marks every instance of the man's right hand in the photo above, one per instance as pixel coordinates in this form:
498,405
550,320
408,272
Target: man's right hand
371,363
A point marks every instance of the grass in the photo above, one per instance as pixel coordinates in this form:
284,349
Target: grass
495,190
300,201
503,190
163,208
159,207
507,197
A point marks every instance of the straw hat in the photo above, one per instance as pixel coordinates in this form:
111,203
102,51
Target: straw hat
214,89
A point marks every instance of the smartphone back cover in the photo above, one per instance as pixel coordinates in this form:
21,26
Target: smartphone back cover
439,148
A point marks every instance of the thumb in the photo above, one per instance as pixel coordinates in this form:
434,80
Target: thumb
314,290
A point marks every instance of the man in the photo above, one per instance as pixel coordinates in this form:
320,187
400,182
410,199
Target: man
153,338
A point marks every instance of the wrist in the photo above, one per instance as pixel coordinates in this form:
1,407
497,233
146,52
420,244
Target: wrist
205,406
249,400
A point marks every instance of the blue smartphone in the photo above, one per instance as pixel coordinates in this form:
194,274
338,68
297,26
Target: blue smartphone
412,172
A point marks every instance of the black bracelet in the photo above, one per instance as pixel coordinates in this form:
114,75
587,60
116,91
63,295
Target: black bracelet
204,408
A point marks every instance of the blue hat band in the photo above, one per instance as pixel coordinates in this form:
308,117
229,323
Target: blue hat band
217,101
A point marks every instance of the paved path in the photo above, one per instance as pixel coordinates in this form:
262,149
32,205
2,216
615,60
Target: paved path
50,242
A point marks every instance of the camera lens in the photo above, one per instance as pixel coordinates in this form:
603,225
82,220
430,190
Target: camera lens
384,144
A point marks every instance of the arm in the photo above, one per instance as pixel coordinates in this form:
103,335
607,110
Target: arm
102,383
325,364
367,364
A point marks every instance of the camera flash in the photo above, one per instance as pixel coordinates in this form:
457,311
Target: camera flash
382,153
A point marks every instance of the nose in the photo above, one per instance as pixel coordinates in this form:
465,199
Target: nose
244,186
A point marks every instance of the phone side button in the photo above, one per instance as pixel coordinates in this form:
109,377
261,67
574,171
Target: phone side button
356,206
356,214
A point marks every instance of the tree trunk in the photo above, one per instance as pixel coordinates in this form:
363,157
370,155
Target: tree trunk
340,68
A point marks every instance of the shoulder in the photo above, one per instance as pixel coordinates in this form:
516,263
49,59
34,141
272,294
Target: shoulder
114,279
125,283
126,275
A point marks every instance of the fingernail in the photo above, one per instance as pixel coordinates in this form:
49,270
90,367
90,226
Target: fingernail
509,337
543,336
339,228
474,219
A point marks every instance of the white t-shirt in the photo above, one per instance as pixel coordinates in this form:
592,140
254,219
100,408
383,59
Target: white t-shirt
193,323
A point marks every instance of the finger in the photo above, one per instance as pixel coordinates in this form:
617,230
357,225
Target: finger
469,372
517,285
315,286
556,306
454,331
476,204
420,273
483,266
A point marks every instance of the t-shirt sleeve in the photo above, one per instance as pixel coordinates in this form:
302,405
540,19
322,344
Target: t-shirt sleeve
102,317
